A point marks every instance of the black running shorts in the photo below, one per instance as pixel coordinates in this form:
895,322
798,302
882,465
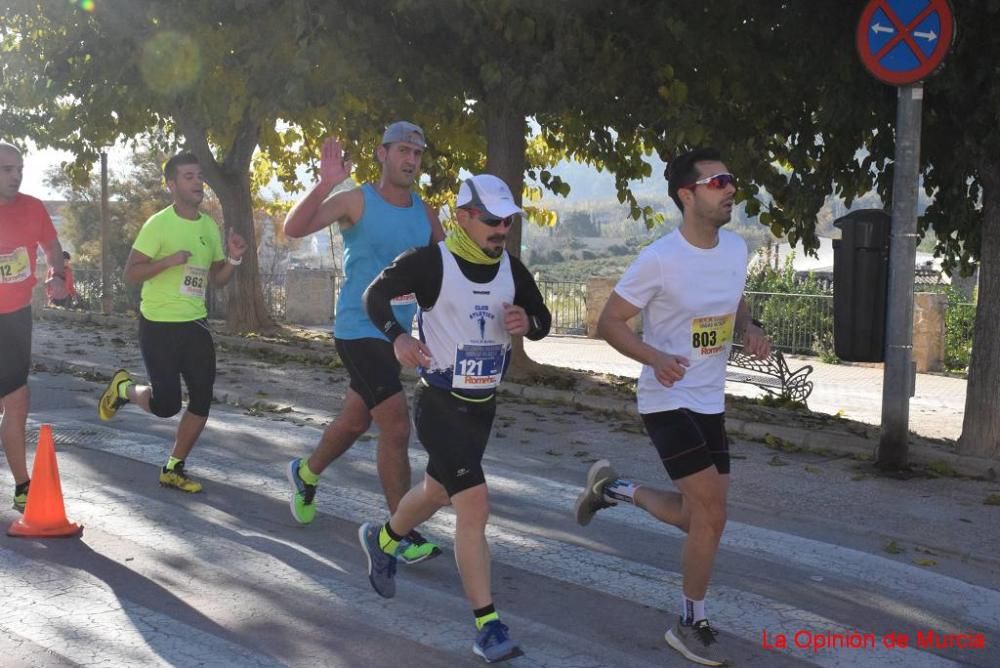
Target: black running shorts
175,350
689,442
454,432
15,350
372,366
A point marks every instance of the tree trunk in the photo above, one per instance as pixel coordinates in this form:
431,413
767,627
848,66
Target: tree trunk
506,143
981,427
230,179
245,308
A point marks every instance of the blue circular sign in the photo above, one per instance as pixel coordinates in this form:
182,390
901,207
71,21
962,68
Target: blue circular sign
903,41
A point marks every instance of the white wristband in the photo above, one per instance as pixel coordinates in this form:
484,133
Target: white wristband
233,262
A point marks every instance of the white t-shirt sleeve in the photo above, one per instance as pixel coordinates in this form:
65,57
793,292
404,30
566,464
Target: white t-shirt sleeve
641,281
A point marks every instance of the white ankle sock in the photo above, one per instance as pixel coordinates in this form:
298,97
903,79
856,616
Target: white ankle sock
694,611
620,490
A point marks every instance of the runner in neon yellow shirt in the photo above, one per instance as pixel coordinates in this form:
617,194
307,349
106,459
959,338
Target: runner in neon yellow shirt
177,253
177,294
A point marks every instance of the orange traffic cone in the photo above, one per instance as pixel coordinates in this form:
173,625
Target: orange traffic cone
45,514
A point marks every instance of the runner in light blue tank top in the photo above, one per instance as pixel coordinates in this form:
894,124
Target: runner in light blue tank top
370,245
378,221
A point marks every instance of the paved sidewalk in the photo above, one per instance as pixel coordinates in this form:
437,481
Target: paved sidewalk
93,344
853,391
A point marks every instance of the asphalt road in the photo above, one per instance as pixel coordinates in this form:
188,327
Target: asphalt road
816,547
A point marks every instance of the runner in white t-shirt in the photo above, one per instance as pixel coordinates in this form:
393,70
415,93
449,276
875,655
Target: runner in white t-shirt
689,287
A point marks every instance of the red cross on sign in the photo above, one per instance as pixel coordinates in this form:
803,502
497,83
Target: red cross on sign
903,41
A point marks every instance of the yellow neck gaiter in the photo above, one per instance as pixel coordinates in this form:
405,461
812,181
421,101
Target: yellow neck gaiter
459,243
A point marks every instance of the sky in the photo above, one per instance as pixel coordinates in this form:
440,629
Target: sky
37,163
587,183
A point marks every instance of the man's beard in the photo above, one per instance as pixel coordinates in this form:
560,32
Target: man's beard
493,252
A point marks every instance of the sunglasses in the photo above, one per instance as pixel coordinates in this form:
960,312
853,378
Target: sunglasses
487,219
714,182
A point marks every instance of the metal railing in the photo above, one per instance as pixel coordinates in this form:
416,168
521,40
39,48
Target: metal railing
794,323
87,282
567,301
125,297
272,287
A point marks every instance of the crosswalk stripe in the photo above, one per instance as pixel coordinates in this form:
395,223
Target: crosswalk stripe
742,613
79,617
169,535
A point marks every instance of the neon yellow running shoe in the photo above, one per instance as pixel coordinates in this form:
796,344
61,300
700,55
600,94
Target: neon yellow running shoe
110,401
176,477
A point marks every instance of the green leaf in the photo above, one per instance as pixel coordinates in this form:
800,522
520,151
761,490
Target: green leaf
893,548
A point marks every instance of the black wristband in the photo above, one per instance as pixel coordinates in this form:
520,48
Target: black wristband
393,331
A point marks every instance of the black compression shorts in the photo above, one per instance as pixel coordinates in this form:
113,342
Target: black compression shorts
689,442
15,350
455,433
373,368
175,350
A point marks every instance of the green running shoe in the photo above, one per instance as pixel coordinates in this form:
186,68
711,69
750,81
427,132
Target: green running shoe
415,548
300,501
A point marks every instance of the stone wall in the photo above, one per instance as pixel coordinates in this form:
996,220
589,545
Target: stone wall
598,291
928,331
309,297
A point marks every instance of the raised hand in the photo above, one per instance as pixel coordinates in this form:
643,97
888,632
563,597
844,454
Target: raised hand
334,167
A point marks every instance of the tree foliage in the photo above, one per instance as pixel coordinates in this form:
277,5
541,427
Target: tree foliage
213,77
132,199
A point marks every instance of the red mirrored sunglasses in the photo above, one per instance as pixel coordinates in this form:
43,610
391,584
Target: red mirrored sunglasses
714,182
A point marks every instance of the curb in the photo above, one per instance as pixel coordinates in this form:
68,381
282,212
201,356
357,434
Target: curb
314,351
222,394
811,439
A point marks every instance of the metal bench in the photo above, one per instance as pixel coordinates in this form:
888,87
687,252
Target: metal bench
771,374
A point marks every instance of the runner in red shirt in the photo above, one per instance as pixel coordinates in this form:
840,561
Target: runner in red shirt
25,227
50,289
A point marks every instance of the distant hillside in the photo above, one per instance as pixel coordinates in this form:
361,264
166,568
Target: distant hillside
589,185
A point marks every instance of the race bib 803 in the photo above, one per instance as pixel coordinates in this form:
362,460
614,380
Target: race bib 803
711,334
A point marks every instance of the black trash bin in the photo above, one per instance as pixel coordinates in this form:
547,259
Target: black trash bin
860,285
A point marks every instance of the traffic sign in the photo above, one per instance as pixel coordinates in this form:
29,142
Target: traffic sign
904,41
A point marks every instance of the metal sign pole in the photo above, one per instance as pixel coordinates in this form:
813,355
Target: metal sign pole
899,375
107,299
